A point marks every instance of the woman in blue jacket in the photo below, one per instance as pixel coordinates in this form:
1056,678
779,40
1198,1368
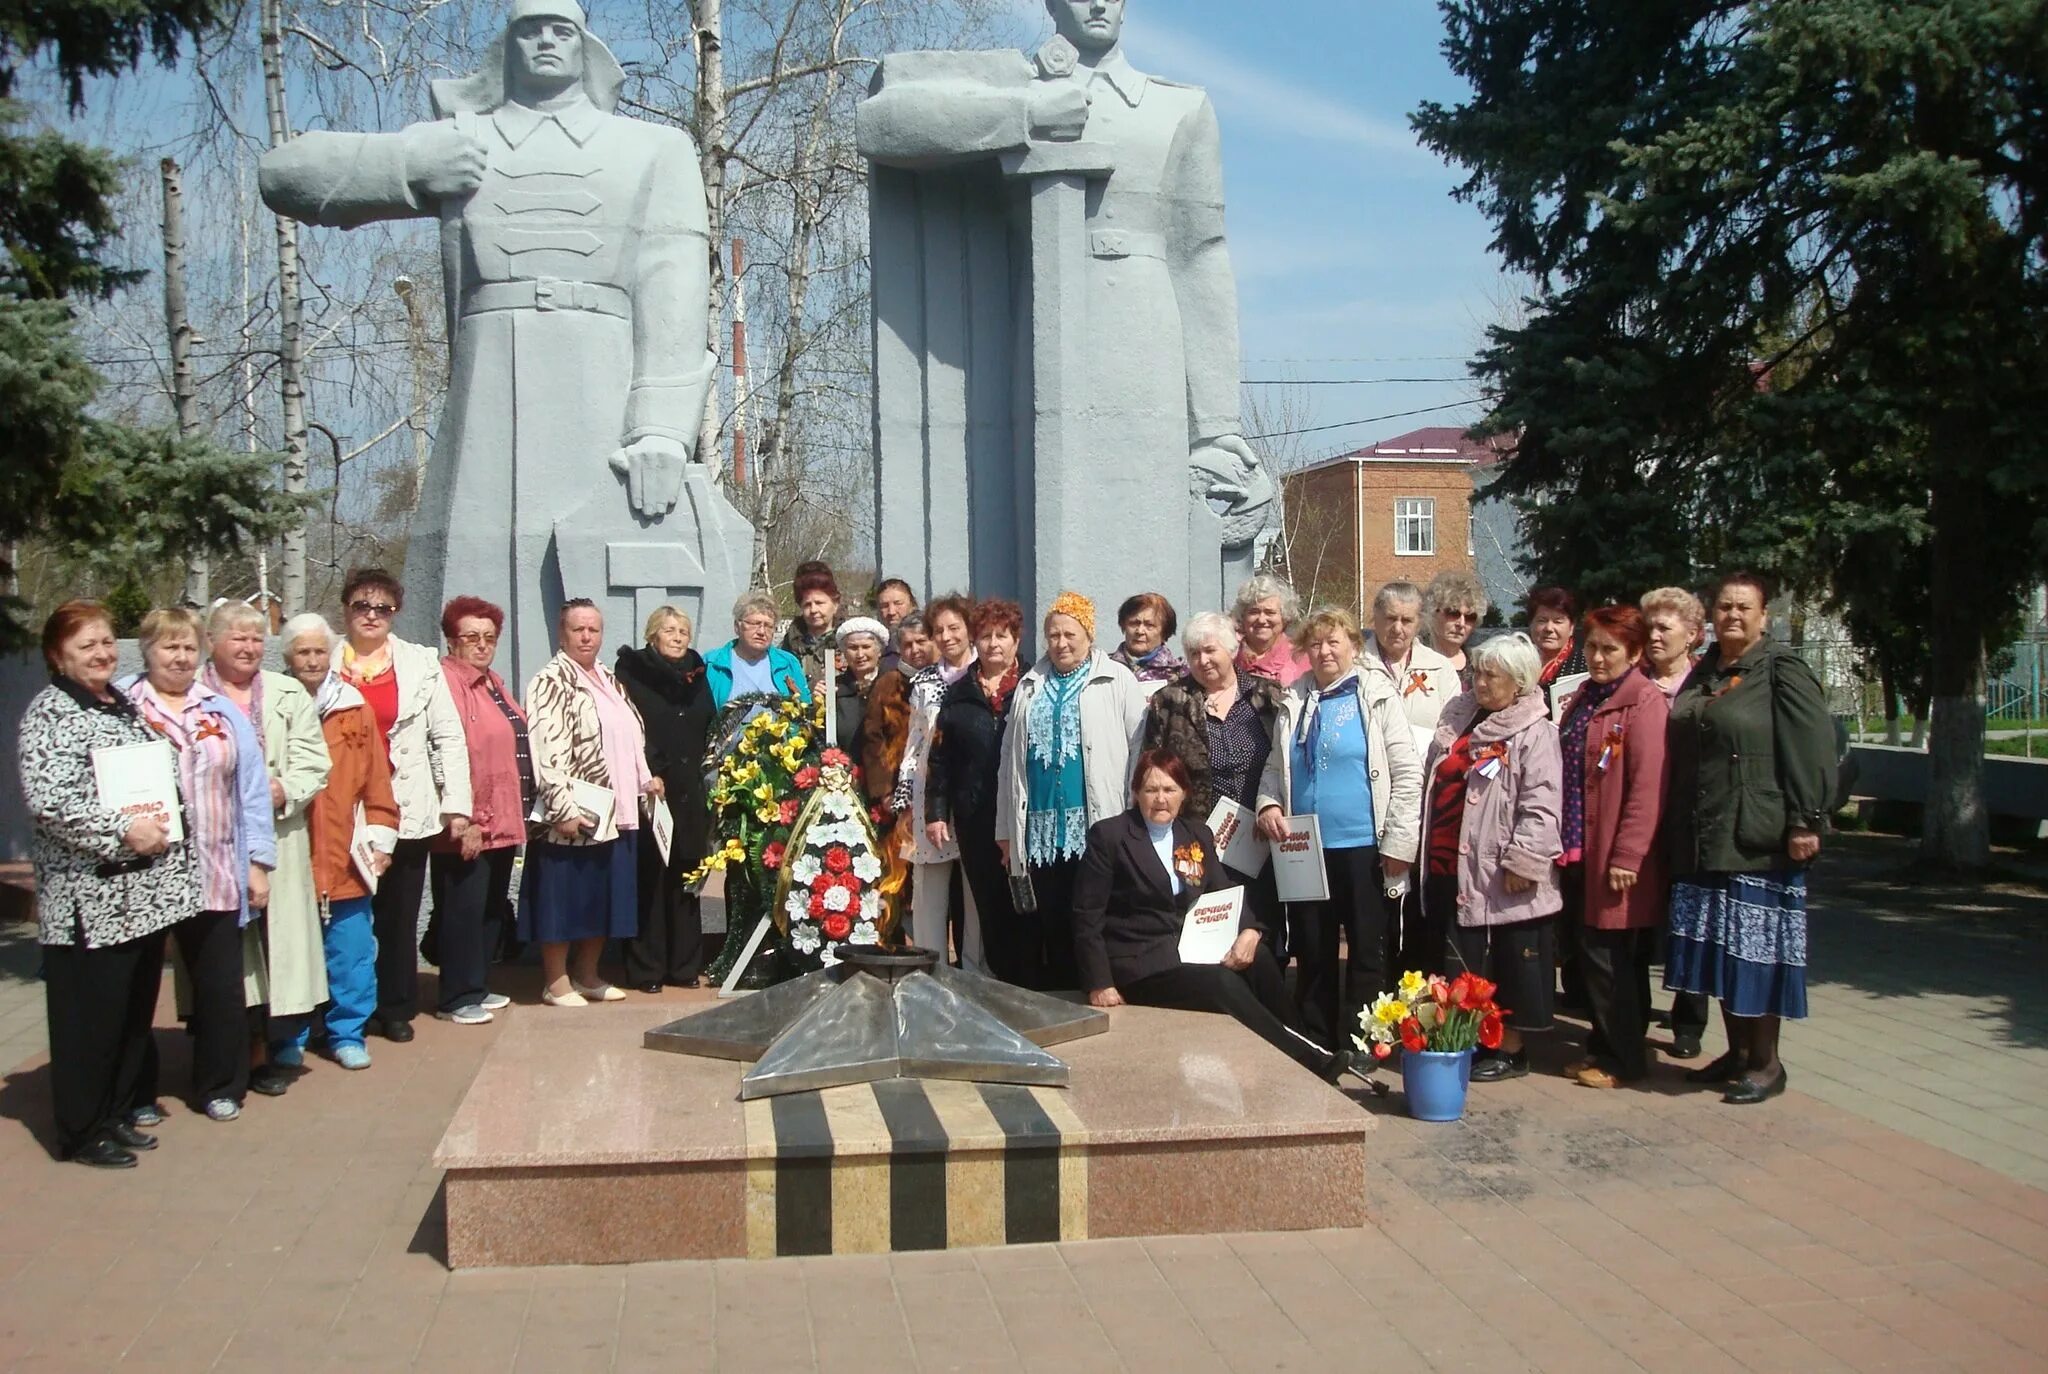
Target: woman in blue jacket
751,664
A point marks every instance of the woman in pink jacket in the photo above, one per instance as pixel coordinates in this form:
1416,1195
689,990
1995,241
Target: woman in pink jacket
1490,848
1614,887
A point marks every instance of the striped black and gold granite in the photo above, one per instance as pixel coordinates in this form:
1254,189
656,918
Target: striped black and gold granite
913,1164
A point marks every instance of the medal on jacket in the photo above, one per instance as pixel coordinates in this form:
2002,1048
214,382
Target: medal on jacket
1486,761
1610,750
1187,861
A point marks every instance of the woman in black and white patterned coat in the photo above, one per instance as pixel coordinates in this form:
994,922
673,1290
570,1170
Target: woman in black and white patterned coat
108,885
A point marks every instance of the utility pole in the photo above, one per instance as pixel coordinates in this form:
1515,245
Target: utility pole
291,337
178,324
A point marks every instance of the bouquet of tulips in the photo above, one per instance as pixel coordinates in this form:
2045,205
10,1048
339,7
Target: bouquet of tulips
1431,1013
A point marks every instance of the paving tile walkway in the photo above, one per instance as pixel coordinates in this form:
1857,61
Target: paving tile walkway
1554,1228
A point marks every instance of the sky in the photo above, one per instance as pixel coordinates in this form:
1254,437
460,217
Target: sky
1353,260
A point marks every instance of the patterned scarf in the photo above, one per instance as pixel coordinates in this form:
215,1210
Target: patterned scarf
1572,738
1056,802
212,678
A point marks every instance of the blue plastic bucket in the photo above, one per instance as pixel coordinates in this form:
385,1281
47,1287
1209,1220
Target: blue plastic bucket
1434,1083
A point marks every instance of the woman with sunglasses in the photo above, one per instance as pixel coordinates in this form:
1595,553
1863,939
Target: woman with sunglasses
406,690
1453,605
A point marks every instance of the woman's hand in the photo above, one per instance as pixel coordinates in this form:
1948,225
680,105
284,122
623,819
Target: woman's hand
1003,852
939,833
1802,844
259,886
575,828
458,826
1242,949
1272,824
147,836
471,844
380,862
656,788
1105,997
1620,879
1395,869
1517,883
276,795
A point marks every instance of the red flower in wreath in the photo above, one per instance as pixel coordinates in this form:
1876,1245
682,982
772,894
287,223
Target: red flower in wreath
1490,1030
771,857
789,810
1412,1037
835,756
837,926
837,860
818,909
807,777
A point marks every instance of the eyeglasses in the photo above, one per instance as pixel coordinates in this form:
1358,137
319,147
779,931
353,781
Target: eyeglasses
1472,616
757,623
477,637
379,609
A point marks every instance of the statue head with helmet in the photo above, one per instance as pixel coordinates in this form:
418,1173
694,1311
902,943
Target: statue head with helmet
546,51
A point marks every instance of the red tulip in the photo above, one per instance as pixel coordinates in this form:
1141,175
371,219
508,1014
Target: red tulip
1490,1030
1412,1036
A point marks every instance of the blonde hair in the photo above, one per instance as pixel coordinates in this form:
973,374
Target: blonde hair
660,616
170,620
1324,619
1679,602
234,615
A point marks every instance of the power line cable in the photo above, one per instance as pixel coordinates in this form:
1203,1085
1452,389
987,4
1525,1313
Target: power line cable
1344,381
1368,420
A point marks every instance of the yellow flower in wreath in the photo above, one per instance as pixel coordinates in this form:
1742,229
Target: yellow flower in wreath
768,815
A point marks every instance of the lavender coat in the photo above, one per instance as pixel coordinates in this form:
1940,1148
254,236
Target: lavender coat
1511,818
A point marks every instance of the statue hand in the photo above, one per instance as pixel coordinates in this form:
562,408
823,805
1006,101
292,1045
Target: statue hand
442,162
653,469
1059,110
1226,469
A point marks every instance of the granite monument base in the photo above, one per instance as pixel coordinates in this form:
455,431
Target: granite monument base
576,1145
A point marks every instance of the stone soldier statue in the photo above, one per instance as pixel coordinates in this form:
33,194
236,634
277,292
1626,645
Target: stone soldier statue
577,272
1131,398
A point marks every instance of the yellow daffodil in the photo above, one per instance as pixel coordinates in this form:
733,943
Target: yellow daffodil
1413,985
764,794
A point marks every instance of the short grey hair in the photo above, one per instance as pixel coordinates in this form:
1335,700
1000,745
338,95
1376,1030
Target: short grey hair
1452,590
299,626
1266,587
1512,653
1209,627
752,601
1405,593
912,621
227,616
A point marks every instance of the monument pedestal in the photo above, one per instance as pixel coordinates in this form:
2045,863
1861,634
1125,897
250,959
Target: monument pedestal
575,1145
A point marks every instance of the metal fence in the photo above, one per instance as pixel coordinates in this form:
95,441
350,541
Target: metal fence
2015,707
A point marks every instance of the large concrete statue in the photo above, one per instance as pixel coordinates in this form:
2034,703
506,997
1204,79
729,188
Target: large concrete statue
1056,352
575,258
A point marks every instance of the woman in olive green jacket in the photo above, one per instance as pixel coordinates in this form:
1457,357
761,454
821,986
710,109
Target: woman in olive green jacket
1751,755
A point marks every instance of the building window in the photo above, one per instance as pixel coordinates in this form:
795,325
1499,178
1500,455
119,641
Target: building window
1415,525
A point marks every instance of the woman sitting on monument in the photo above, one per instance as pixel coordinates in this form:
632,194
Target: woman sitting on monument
1491,880
1218,720
1148,623
284,959
590,761
403,685
1343,752
817,615
472,876
750,664
1142,871
1264,612
860,642
1077,719
665,682
931,873
960,786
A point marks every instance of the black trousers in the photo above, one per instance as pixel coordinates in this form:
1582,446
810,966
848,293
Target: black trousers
1617,968
1256,996
1045,937
1331,997
100,1004
981,868
1421,941
1262,900
210,947
395,916
669,947
472,902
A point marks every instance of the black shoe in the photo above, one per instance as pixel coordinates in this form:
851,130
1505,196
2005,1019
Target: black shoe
104,1153
688,983
1746,1091
147,1115
398,1032
270,1080
651,989
1497,1067
130,1138
1685,1047
1726,1069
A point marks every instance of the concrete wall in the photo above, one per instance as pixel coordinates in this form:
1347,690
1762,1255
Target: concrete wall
2012,787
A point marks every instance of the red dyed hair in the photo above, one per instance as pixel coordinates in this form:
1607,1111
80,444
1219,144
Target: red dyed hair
1555,600
66,621
953,602
468,607
1167,762
814,576
1169,623
1623,623
996,615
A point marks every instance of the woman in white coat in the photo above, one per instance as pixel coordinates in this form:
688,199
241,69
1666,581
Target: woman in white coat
1077,723
1343,752
403,685
933,864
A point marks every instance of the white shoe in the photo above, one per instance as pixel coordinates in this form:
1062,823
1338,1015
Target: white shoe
603,992
495,1001
566,999
466,1016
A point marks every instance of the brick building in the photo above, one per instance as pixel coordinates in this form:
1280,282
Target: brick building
1401,509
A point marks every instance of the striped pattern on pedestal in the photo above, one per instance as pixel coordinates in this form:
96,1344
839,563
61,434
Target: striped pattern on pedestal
913,1164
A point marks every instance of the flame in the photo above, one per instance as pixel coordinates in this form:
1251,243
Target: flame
897,872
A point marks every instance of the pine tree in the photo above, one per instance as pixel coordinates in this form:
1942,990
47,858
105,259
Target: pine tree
1791,262
126,501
